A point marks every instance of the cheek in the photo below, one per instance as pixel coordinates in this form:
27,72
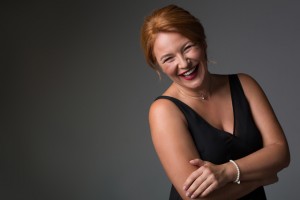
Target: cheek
196,54
168,69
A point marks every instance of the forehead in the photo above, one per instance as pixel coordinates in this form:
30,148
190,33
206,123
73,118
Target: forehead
168,42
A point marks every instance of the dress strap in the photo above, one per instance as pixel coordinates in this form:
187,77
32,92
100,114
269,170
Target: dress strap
241,109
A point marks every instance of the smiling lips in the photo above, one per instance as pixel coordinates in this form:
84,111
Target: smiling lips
190,74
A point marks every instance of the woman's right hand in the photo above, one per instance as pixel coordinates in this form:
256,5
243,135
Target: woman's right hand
207,178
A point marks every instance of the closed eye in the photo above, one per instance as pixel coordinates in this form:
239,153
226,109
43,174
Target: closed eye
188,47
168,59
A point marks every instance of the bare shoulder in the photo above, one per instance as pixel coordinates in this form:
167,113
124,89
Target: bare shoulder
247,80
262,112
172,141
164,110
161,105
250,86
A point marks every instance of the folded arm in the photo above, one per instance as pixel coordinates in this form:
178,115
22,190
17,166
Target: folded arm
175,148
261,165
274,156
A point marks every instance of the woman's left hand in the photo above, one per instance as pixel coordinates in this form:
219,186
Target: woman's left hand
207,178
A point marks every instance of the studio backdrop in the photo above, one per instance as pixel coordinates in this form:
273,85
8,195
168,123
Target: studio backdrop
75,92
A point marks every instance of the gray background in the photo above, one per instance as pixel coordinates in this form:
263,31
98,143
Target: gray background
75,92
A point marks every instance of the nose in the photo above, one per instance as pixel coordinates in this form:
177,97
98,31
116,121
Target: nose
183,62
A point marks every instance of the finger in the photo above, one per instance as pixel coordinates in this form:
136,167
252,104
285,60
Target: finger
207,186
209,189
197,162
191,178
196,175
198,186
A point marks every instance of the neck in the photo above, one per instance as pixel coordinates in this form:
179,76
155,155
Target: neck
204,93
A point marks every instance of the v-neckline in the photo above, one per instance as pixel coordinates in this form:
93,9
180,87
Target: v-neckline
205,121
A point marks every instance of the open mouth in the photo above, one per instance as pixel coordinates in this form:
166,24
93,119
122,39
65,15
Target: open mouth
190,74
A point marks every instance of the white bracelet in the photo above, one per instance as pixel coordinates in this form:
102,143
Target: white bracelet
237,180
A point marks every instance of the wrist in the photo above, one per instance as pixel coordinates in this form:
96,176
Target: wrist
238,172
230,172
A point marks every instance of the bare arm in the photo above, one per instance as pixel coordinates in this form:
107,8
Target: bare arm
232,190
274,156
262,164
175,149
172,142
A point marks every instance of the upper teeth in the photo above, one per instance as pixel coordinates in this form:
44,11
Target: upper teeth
189,72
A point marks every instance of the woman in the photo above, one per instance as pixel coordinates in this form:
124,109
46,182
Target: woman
216,136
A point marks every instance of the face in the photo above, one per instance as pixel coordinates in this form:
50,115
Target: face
180,59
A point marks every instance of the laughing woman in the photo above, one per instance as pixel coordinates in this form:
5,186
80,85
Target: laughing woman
216,136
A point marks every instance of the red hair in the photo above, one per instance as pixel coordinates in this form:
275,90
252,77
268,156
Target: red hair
170,19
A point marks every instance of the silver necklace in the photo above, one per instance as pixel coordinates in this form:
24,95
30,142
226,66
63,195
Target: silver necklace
203,96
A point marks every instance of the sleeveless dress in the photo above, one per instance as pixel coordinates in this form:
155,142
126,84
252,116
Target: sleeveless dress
218,146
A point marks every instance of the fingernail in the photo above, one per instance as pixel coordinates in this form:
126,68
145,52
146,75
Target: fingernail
184,187
187,194
193,196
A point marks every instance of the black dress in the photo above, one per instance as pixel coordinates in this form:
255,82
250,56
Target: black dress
218,146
